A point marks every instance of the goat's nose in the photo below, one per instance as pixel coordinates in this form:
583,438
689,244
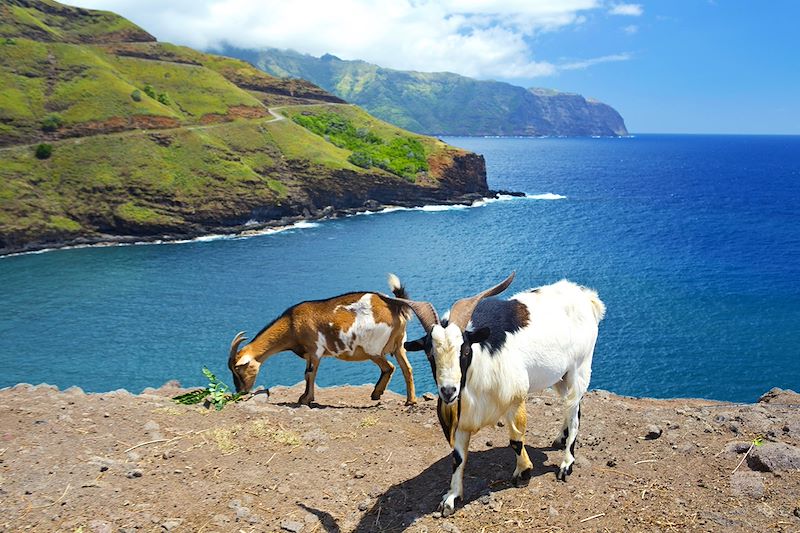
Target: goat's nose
448,393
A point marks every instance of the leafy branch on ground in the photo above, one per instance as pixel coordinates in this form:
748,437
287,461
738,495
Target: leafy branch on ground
402,156
217,393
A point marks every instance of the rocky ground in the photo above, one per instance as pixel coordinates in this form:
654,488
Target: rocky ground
79,462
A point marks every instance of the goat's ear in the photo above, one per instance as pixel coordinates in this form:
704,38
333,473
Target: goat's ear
415,346
478,336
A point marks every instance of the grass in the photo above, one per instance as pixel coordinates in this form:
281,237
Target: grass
224,438
264,429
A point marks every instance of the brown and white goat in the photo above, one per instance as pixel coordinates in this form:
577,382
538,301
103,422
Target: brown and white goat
356,326
488,354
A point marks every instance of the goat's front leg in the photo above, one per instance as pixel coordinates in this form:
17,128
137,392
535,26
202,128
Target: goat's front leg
460,450
387,369
312,365
516,420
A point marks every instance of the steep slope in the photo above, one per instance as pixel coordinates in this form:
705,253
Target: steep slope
149,139
443,103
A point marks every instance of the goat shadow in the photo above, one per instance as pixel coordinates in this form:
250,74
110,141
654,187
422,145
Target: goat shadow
486,472
315,405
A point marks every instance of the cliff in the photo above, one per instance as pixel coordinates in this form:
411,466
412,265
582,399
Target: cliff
108,135
443,103
120,462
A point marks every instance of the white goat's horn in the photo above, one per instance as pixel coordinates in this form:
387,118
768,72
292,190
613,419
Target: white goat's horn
461,312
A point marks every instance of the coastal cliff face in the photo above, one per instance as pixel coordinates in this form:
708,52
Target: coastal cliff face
443,103
71,461
107,135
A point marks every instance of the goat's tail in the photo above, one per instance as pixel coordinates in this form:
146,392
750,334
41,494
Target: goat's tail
399,291
598,307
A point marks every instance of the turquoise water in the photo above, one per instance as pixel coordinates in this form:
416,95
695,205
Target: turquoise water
693,242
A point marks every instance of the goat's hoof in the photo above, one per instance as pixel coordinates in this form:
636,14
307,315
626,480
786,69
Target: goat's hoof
411,401
560,443
563,473
446,509
523,478
376,396
305,401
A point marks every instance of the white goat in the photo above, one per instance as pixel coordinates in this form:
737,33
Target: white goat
489,354
356,326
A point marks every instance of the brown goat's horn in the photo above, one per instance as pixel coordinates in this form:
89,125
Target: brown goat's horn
237,340
425,312
461,312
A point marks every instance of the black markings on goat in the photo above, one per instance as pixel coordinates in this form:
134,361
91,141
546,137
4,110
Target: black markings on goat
456,460
501,317
517,446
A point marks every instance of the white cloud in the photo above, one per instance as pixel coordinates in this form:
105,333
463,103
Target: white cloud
586,63
631,10
479,38
630,30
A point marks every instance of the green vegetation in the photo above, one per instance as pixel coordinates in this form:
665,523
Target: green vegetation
402,156
216,393
44,151
136,95
52,122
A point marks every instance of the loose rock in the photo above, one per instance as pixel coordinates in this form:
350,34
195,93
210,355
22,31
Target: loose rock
774,457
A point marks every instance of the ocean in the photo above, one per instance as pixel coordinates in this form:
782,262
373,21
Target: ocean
693,243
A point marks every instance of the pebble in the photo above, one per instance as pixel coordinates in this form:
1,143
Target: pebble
171,524
359,474
449,527
428,397
489,443
552,511
653,432
292,525
363,506
99,526
136,472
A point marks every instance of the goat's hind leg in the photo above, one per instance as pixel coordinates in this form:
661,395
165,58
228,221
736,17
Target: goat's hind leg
516,421
560,441
408,375
387,369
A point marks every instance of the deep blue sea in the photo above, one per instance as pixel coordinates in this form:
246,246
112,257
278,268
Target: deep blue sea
693,242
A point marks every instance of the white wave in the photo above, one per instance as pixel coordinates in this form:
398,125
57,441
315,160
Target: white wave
304,224
545,196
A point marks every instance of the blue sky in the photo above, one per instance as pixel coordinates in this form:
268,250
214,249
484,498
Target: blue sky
673,66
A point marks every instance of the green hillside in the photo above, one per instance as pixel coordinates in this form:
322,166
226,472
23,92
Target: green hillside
102,138
442,103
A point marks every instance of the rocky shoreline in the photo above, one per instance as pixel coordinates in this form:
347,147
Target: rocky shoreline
309,214
120,462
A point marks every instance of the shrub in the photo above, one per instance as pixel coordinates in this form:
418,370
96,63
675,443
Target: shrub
136,95
149,91
52,122
9,40
44,151
402,156
163,98
361,159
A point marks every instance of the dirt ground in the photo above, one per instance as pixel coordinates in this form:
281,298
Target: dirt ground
118,462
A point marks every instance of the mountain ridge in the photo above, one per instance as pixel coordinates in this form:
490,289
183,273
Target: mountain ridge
443,103
103,139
